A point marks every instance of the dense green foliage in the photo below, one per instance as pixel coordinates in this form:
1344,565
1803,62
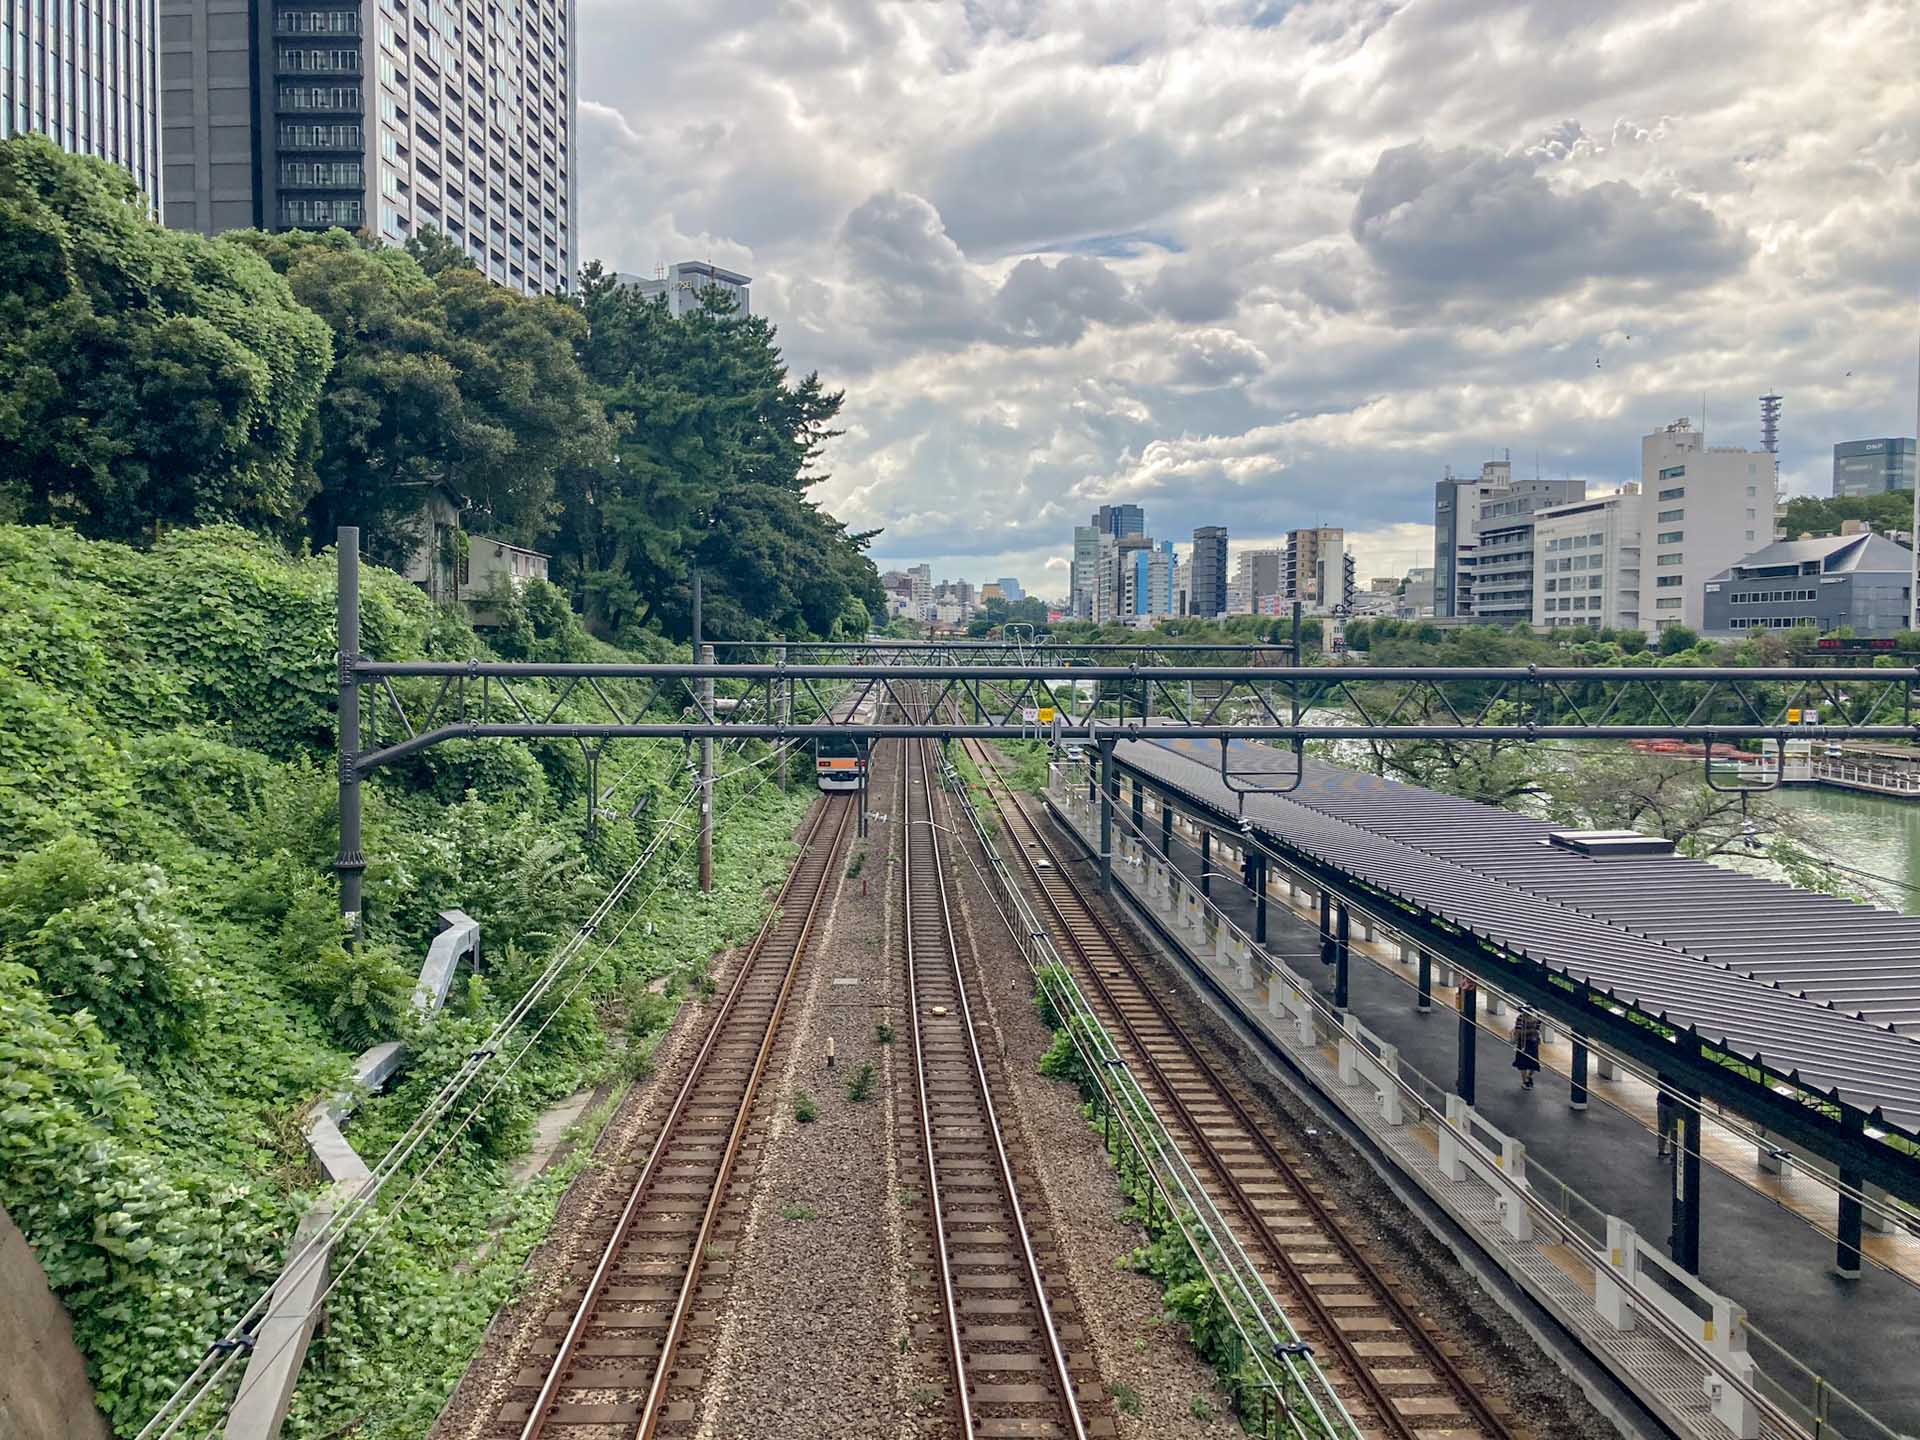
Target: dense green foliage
147,377
1809,515
439,380
294,383
712,474
173,990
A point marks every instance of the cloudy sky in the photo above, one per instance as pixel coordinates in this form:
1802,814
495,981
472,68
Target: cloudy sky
1269,264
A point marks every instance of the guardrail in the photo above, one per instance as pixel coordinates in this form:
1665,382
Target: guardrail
1297,1397
280,1342
1482,1177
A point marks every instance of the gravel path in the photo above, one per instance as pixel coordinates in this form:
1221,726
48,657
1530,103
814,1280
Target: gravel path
812,1333
1160,1387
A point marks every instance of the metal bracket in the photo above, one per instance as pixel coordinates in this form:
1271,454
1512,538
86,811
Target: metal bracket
1293,777
1779,772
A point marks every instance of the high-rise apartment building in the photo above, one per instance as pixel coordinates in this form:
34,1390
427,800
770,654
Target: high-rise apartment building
1207,589
1152,590
1503,547
1704,511
1318,571
86,74
920,577
1873,467
1587,563
1456,518
389,116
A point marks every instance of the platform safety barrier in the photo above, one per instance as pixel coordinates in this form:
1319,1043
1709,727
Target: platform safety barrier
1478,1174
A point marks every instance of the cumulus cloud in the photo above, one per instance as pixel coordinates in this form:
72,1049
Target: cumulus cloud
1471,222
1269,264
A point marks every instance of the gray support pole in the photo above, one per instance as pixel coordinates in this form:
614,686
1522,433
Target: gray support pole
1577,1096
351,864
1206,861
1685,1240
704,653
1326,926
1260,897
1341,961
1106,815
1469,1039
1139,807
1166,829
783,692
1846,1255
1425,1003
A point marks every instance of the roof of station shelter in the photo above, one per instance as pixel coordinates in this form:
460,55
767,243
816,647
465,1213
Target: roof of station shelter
1808,985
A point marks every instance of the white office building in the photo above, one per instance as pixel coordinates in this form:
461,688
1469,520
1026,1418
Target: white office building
921,593
1587,563
1704,510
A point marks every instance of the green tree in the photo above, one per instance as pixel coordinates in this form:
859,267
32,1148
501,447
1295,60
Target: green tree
713,467
1810,515
147,377
441,380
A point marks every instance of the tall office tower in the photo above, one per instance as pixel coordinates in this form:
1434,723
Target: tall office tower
1873,467
392,117
1085,582
86,74
1010,589
1154,579
1503,559
1120,520
1706,510
1207,590
1587,563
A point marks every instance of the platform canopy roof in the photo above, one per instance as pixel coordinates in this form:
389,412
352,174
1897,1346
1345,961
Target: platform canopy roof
1823,990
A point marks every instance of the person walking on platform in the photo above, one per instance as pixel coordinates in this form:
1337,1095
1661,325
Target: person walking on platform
1526,1046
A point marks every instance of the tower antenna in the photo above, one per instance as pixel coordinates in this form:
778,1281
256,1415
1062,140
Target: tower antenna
1770,423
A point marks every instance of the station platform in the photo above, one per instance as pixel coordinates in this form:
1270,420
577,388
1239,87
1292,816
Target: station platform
1765,1230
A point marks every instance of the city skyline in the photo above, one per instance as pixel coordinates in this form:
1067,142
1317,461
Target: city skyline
1053,268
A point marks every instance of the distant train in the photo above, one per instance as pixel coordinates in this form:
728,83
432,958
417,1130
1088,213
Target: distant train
840,763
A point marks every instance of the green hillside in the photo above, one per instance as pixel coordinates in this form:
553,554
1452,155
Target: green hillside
173,990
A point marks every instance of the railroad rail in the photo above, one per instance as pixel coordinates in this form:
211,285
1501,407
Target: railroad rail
1397,1377
614,1358
1011,1372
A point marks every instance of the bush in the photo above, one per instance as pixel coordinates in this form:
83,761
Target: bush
804,1110
860,1086
101,937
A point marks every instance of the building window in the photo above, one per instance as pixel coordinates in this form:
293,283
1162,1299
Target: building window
1671,560
1667,602
1670,582
1673,472
1668,515
1678,492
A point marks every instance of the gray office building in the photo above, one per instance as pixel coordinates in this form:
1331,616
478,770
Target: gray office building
1873,467
1503,562
684,284
391,118
1120,521
86,74
1863,581
1207,590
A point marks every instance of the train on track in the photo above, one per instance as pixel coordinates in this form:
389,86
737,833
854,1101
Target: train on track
840,764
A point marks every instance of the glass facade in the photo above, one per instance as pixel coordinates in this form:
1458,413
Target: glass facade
85,73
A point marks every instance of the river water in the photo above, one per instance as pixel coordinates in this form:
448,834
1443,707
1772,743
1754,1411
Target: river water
1866,833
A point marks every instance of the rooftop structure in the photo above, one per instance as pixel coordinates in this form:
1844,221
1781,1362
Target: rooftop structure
1860,580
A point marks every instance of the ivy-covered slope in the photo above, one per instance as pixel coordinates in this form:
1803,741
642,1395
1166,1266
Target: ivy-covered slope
173,991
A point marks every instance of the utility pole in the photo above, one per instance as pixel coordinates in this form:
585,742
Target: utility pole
783,691
703,654
351,864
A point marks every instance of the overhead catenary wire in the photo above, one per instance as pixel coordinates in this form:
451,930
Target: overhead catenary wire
221,1354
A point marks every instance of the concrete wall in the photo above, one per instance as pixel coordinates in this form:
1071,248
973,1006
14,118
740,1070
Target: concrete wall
44,1391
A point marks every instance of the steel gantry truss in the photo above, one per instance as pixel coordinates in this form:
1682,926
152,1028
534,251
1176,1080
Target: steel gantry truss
390,710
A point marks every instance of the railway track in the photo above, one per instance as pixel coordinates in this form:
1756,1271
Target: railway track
626,1352
1006,1336
1395,1375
